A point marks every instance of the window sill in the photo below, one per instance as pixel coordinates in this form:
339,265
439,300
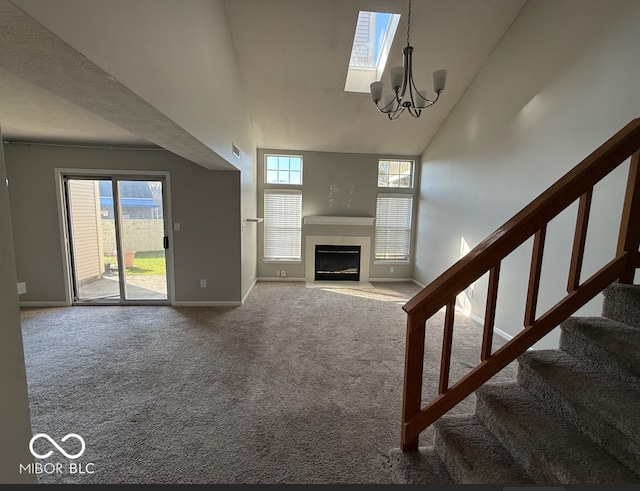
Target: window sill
390,261
282,261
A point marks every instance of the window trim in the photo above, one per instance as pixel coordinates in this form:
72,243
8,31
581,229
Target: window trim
396,189
267,155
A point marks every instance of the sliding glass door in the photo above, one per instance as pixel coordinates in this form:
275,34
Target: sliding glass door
118,242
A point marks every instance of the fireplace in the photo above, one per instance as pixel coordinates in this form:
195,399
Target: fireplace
337,262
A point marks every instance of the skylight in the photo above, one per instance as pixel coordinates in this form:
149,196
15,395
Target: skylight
371,44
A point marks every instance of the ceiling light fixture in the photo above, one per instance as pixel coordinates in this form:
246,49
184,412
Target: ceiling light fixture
406,95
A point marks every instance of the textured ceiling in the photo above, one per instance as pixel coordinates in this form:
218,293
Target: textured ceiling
293,57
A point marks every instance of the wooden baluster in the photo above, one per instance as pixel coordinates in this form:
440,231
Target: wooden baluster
490,312
534,277
447,341
413,370
579,239
629,237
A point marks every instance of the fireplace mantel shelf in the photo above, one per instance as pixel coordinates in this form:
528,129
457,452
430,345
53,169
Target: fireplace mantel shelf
329,220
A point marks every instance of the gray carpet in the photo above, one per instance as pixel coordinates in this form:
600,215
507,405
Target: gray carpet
298,385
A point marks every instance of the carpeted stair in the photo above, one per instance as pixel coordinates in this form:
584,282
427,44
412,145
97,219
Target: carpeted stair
572,415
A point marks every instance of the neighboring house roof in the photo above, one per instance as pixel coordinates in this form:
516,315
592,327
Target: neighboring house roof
132,193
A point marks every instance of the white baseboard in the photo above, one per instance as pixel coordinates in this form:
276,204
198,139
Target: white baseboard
419,284
280,278
207,304
43,304
497,330
246,295
390,280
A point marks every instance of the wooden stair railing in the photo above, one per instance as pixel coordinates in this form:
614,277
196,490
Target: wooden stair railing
487,256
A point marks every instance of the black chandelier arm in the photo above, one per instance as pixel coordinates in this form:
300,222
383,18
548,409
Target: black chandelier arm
392,110
413,101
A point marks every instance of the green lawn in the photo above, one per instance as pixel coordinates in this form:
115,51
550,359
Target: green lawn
151,263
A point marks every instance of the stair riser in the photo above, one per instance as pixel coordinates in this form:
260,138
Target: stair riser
455,469
473,456
584,349
622,303
532,464
608,435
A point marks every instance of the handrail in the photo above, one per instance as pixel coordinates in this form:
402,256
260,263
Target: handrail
487,256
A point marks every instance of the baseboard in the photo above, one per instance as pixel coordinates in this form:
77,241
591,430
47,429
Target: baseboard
418,283
497,330
390,280
207,304
42,304
280,278
246,295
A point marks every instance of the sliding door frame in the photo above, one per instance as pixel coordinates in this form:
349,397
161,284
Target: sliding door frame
61,174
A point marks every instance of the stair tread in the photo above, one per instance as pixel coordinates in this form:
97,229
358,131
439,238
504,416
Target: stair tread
612,399
469,450
548,448
421,467
619,339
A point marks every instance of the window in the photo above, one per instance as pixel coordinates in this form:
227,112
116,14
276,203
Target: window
393,226
282,225
372,39
395,174
283,169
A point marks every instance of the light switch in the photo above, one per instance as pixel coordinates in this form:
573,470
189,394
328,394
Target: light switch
176,227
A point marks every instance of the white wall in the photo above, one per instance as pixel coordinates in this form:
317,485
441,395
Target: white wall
15,424
563,80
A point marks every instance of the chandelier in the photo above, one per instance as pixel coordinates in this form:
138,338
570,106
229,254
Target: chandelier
406,95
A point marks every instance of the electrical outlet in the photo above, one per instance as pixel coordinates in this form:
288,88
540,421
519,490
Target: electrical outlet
278,273
283,273
251,271
203,283
391,270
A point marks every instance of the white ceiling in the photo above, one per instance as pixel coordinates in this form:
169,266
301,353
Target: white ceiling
293,57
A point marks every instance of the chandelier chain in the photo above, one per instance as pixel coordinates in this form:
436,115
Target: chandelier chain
409,23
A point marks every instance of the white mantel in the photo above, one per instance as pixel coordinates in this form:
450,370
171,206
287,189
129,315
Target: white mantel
330,220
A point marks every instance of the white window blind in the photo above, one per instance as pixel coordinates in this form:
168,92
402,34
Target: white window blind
282,224
393,226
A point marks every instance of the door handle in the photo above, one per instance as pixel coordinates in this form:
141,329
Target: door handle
166,241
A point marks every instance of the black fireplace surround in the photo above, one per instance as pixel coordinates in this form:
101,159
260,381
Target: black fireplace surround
337,263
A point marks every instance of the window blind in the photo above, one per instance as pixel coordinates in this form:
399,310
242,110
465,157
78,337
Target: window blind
282,224
393,226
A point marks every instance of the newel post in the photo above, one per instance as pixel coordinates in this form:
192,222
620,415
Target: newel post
629,238
412,390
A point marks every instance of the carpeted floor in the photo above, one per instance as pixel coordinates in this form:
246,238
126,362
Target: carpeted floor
298,385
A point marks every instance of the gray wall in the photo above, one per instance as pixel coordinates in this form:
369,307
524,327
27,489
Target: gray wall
562,81
206,204
334,184
15,424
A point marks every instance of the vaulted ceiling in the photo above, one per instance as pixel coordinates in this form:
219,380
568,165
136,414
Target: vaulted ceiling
293,57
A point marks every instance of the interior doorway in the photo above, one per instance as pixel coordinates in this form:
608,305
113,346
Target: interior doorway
118,243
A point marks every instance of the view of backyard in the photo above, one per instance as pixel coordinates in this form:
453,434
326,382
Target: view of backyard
144,263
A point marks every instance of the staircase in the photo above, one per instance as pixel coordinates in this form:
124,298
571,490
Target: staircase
572,416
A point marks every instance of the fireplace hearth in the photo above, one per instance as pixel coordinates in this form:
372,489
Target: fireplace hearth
337,262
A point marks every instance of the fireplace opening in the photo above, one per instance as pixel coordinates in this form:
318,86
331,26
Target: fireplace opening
337,263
